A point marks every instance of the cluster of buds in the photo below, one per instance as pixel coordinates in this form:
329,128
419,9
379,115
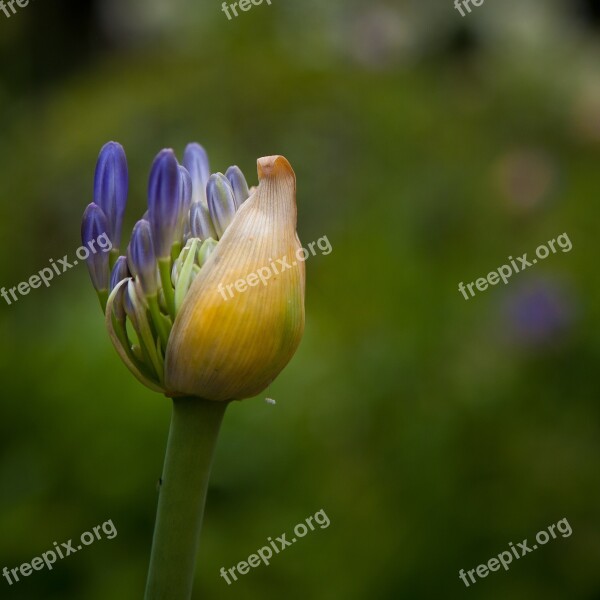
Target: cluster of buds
194,229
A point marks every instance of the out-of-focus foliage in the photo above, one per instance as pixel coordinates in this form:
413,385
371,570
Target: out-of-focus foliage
432,430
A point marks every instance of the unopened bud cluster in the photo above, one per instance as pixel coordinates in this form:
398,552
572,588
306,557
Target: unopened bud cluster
189,210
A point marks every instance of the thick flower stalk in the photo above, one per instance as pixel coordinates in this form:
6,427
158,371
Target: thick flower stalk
173,328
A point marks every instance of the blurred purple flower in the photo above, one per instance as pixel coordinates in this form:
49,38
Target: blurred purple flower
540,312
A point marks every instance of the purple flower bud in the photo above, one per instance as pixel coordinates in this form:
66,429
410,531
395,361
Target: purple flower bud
111,183
221,203
130,300
186,199
238,183
118,307
195,160
120,271
164,201
201,224
186,189
93,225
141,258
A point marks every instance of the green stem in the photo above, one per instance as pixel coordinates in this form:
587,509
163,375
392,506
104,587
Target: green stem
159,321
164,270
193,435
175,251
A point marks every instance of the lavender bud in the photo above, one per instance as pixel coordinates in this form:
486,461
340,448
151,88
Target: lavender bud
118,306
93,225
141,257
221,203
238,183
130,300
195,160
120,271
185,189
164,201
111,182
201,225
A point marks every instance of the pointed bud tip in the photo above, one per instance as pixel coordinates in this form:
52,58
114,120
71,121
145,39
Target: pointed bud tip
112,145
194,147
195,160
119,272
93,223
221,202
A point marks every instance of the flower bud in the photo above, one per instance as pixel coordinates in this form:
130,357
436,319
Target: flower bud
94,224
207,248
111,182
185,188
141,257
164,202
195,160
180,334
221,203
239,185
225,348
130,301
201,224
181,259
141,358
119,272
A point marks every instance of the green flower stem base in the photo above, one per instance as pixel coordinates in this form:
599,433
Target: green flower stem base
193,436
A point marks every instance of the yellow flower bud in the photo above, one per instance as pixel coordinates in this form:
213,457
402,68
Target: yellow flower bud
236,330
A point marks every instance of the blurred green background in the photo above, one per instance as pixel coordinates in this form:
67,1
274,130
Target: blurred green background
432,430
